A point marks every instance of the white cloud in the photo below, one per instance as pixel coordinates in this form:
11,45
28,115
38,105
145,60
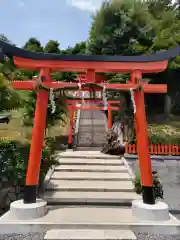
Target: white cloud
86,5
21,3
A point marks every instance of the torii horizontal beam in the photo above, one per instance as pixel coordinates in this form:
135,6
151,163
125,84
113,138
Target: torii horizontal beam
91,100
87,108
83,78
82,66
148,88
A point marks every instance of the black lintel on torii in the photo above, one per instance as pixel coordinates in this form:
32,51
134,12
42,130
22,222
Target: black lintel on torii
11,51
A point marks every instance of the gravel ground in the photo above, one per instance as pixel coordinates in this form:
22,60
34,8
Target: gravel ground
40,236
141,236
28,236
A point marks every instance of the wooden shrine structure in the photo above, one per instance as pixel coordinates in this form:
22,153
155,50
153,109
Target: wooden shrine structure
46,63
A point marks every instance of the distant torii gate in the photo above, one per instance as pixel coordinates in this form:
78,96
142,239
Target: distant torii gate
72,104
46,63
72,107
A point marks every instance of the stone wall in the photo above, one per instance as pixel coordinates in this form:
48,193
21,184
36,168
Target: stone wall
8,194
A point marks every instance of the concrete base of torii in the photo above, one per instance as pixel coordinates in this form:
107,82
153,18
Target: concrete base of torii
28,211
157,212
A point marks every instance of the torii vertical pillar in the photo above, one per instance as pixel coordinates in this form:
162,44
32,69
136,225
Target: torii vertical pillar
143,144
70,138
33,170
109,116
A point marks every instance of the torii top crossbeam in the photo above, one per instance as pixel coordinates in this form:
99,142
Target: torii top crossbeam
80,63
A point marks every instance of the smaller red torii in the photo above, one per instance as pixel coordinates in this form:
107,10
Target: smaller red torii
72,105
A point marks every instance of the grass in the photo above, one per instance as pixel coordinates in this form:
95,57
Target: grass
164,127
16,131
167,129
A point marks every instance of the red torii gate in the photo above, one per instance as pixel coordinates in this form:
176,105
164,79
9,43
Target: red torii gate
47,63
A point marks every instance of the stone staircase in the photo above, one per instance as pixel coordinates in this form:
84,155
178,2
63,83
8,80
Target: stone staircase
88,188
92,130
89,197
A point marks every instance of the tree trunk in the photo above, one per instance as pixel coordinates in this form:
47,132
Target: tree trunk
122,128
115,140
167,106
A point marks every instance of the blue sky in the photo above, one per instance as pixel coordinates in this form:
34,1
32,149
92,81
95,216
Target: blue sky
67,21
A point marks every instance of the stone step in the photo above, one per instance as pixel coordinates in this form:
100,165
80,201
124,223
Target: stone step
85,138
71,185
96,198
92,126
99,135
89,234
92,129
91,168
89,161
86,217
90,144
88,148
85,144
87,154
89,122
89,139
85,133
58,175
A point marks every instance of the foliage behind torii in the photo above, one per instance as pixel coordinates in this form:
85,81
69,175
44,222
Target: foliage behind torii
135,27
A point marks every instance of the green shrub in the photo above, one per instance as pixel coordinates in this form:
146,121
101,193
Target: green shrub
159,138
51,118
14,161
158,188
164,139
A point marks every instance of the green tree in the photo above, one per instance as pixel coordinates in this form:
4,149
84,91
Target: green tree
132,27
4,38
52,47
9,98
33,45
7,67
29,106
158,7
121,27
29,110
79,48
